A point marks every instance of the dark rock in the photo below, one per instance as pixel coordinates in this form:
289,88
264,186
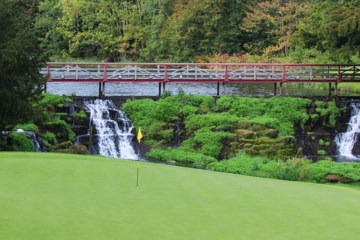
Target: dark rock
356,148
334,178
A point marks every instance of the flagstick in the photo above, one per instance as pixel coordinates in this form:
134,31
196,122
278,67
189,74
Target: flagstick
139,137
137,171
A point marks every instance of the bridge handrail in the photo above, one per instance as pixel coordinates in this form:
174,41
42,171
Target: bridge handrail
205,64
225,72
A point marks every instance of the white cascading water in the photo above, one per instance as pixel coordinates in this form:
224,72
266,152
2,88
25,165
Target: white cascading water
345,141
113,141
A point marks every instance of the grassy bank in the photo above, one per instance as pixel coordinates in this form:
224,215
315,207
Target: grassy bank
349,87
58,196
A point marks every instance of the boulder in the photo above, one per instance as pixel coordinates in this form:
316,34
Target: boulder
334,178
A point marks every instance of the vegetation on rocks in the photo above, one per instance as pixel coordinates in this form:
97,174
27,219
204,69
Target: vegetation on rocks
251,136
52,122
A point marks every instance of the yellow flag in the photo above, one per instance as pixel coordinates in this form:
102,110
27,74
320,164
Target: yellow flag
139,135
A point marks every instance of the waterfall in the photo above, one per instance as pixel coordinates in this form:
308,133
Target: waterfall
36,141
112,130
345,141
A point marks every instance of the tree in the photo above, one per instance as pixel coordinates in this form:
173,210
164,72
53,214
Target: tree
20,61
331,28
82,28
271,24
191,28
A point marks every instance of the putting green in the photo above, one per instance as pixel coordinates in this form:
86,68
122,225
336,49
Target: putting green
58,196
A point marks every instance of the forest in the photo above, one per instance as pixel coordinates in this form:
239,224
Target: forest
295,31
286,31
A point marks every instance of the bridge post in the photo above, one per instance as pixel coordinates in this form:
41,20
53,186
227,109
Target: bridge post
275,88
336,88
281,89
103,89
329,88
100,90
159,89
218,89
163,87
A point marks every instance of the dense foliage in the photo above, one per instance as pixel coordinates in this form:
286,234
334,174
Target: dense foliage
243,135
192,30
279,113
20,59
295,169
51,122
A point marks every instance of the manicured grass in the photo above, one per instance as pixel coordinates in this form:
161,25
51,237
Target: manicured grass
57,196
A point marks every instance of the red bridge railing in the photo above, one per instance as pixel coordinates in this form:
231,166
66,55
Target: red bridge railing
194,72
201,72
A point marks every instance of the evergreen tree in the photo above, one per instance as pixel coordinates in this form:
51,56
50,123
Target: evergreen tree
20,60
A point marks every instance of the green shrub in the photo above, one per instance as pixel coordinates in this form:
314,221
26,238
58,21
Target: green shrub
64,145
210,142
55,100
293,170
318,171
21,142
80,118
220,121
180,156
286,110
267,121
314,117
160,131
4,146
27,127
46,107
321,152
162,120
50,138
78,149
246,165
328,110
60,126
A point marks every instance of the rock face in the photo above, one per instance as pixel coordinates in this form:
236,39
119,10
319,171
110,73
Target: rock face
316,139
356,149
337,178
257,140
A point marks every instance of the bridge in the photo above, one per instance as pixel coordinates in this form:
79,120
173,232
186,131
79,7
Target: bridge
217,73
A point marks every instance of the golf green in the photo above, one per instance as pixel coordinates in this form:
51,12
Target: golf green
59,196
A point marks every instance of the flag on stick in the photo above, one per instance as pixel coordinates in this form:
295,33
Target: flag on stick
139,135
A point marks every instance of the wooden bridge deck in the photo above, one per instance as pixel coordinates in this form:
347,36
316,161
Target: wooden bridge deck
207,73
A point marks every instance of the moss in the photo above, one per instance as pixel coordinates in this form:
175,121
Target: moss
64,145
271,133
329,111
80,117
242,133
321,152
78,149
